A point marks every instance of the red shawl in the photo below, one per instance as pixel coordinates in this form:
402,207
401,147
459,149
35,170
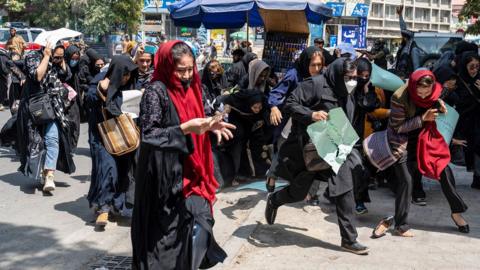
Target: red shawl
433,154
198,177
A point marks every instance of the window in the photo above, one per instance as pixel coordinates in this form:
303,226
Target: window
445,16
435,16
445,2
35,33
4,35
24,34
434,2
409,13
377,10
422,14
390,12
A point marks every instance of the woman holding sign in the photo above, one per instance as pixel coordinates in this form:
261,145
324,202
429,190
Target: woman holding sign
311,102
418,147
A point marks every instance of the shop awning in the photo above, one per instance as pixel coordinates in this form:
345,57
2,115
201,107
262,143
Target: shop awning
236,13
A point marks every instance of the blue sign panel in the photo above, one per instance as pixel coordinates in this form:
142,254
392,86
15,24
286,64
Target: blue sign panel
316,31
161,3
337,8
350,34
362,37
333,41
360,10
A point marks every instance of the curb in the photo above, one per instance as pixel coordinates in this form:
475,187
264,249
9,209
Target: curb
237,240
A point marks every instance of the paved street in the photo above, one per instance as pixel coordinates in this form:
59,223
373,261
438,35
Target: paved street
56,232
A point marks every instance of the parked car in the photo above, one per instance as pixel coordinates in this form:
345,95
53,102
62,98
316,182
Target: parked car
433,44
28,34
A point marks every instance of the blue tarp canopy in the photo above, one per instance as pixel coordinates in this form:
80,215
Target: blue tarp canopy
233,13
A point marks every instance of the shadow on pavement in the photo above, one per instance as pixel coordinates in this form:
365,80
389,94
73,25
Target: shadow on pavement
78,208
26,185
280,235
82,151
245,203
33,247
81,178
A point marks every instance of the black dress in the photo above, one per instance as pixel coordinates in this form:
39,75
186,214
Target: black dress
163,220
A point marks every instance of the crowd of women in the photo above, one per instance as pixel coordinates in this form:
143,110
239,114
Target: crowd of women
201,132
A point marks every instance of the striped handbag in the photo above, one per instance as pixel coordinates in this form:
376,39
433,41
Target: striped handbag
120,135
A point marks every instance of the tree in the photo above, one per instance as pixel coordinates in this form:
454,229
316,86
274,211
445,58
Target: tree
471,9
96,17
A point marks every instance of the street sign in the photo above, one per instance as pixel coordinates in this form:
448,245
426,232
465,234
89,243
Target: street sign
337,8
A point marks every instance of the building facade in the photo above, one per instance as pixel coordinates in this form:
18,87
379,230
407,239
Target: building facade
420,15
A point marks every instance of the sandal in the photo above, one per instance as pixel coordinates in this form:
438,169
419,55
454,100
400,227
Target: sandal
382,227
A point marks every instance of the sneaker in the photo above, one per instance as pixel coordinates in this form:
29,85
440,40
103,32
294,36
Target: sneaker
2,108
419,201
270,210
355,248
361,209
49,184
102,219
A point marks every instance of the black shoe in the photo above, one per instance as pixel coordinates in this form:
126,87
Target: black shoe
355,248
463,229
270,210
419,201
476,182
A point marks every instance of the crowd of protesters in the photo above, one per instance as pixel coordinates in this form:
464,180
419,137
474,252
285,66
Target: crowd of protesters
204,130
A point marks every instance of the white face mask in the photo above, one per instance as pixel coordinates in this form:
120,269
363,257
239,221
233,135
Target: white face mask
351,84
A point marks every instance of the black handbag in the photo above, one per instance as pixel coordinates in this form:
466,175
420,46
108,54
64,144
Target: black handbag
313,162
41,109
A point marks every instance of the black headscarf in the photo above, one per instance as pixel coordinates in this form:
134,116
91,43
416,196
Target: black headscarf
335,77
91,56
69,52
444,73
244,99
303,63
463,72
363,65
120,66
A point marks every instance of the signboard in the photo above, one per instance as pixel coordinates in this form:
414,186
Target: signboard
160,3
360,10
186,32
337,8
259,33
316,31
333,41
362,36
219,37
350,34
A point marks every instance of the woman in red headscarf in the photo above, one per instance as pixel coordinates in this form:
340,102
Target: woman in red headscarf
175,191
419,148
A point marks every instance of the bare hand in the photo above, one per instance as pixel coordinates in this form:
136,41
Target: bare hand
275,116
459,142
47,52
196,125
477,84
443,107
430,115
319,116
399,10
222,131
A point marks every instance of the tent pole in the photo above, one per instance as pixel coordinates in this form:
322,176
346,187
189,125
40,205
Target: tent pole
247,28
